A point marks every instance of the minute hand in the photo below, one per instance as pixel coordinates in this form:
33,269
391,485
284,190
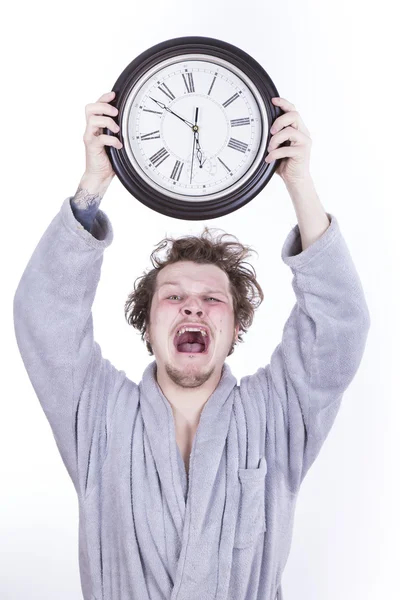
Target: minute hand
169,110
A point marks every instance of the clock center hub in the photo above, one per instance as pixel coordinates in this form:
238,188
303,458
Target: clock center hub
212,126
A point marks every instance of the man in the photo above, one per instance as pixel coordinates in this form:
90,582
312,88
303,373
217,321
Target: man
187,482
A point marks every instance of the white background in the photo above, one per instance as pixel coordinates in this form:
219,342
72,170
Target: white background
337,62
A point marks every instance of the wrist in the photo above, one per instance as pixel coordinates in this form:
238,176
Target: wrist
300,183
94,185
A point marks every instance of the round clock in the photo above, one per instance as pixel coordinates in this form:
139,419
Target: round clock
194,116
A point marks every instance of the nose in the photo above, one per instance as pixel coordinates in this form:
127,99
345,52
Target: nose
193,306
188,311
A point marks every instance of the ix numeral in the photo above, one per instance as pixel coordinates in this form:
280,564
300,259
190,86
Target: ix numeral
150,136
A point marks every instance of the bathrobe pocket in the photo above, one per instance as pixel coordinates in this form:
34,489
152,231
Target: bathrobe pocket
251,514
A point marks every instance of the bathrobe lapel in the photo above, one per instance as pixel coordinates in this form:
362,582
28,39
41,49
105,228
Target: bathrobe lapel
205,523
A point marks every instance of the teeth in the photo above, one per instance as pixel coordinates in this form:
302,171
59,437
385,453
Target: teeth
181,331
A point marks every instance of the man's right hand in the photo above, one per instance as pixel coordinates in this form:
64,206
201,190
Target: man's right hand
98,165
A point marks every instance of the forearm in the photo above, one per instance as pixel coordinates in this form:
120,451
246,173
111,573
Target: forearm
86,201
311,216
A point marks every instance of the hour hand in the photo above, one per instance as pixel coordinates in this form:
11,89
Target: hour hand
162,105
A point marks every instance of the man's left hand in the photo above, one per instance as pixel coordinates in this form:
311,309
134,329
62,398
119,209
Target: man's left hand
295,164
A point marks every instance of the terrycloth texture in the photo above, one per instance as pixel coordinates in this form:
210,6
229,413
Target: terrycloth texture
144,533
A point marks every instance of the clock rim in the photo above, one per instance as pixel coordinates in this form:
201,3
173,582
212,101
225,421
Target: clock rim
133,181
255,160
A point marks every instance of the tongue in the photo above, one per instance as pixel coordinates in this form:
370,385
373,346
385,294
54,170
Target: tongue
187,347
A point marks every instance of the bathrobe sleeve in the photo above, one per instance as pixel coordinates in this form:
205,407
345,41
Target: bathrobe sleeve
53,325
321,349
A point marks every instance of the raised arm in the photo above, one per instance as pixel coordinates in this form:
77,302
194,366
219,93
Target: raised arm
324,338
76,386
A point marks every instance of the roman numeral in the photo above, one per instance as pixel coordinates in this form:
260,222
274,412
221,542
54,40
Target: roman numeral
237,145
156,112
212,84
150,136
159,157
237,122
170,94
177,170
188,79
226,167
230,100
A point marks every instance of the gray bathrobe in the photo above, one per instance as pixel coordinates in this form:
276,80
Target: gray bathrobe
145,532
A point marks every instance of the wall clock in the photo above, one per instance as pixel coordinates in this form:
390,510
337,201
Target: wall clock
194,116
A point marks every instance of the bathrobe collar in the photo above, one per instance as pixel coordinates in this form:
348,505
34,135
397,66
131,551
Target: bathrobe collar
205,523
208,443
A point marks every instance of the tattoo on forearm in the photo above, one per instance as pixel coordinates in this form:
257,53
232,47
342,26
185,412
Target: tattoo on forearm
83,200
84,206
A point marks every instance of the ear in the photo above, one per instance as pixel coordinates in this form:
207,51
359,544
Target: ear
237,332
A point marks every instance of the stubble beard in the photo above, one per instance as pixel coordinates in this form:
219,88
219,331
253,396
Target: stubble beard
191,379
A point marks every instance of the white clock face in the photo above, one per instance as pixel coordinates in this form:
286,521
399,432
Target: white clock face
175,158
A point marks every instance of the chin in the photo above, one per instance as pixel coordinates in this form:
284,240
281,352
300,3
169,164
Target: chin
189,372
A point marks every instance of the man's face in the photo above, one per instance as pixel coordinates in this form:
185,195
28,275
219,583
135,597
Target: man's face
193,294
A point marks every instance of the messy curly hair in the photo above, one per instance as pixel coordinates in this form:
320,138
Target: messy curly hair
227,255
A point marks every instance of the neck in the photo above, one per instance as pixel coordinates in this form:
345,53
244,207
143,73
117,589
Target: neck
187,402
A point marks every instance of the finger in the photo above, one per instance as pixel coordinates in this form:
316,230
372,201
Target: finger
292,118
284,104
107,140
100,108
106,97
97,121
285,152
288,133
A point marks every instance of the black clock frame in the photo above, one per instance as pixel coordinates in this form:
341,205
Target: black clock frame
182,209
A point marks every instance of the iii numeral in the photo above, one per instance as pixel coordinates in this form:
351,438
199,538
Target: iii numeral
159,157
237,122
237,145
189,83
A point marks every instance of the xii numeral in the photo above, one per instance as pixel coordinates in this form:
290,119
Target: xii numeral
189,83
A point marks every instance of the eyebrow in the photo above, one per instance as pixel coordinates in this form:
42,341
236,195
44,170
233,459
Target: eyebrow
206,291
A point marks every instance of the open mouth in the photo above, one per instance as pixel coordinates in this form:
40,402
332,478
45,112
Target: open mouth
193,342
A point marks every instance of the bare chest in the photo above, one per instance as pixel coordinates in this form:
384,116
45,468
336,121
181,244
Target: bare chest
184,440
